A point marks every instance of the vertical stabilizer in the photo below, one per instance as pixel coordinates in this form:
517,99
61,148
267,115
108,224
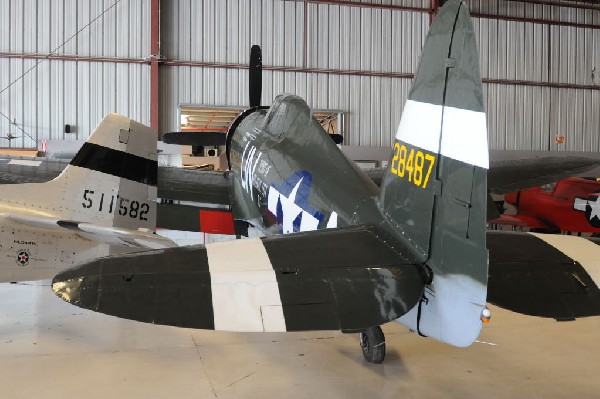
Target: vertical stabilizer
435,189
112,179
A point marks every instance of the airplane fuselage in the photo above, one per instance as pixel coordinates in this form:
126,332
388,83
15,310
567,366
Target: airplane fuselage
103,202
33,253
571,204
282,187
36,240
309,191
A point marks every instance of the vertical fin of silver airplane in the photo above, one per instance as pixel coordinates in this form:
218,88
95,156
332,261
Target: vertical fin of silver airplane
435,189
112,180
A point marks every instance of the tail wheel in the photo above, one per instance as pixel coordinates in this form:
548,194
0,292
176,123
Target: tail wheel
372,342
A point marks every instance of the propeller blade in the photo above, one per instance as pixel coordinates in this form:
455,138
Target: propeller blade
255,76
337,138
203,138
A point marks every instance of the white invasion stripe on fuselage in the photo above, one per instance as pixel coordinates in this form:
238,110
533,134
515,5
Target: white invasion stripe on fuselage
245,293
24,162
579,249
464,135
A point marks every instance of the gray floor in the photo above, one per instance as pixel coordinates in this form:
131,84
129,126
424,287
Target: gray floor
50,349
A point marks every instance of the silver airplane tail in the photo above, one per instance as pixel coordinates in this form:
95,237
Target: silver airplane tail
112,179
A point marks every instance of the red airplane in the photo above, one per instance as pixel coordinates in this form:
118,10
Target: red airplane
571,204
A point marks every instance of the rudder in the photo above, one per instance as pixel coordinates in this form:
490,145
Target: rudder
435,189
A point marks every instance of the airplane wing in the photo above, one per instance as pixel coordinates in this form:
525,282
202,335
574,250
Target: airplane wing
513,172
507,173
510,175
336,279
19,169
105,234
344,279
203,187
544,275
204,199
192,185
194,200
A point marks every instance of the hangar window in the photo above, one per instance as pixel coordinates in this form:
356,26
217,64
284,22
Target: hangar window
218,119
332,121
207,119
199,119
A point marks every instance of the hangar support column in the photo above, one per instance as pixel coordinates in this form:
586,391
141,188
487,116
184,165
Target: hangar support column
154,62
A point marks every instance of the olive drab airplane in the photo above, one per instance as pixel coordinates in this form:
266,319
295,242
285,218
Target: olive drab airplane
103,202
340,252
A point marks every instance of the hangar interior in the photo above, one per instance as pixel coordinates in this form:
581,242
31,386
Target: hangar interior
183,65
71,63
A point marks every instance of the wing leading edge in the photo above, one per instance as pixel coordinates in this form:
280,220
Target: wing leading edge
285,283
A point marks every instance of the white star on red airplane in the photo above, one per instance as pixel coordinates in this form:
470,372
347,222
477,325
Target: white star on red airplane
580,204
595,205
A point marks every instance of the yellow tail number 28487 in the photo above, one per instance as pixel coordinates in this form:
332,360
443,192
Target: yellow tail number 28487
410,163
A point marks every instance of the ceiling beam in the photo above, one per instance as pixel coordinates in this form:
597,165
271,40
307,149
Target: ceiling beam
567,4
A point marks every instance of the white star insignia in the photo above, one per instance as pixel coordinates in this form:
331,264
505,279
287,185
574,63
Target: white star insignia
580,204
595,205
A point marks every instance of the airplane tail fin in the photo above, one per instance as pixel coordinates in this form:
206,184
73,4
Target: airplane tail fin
112,180
434,191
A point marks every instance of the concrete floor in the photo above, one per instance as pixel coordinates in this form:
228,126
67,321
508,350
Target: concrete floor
50,349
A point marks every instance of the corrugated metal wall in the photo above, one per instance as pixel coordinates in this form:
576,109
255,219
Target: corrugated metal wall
340,37
528,117
339,52
337,37
59,92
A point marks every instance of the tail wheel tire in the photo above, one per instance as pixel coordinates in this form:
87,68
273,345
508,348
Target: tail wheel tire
372,342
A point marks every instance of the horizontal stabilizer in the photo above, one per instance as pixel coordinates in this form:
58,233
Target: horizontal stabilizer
337,279
544,275
103,234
